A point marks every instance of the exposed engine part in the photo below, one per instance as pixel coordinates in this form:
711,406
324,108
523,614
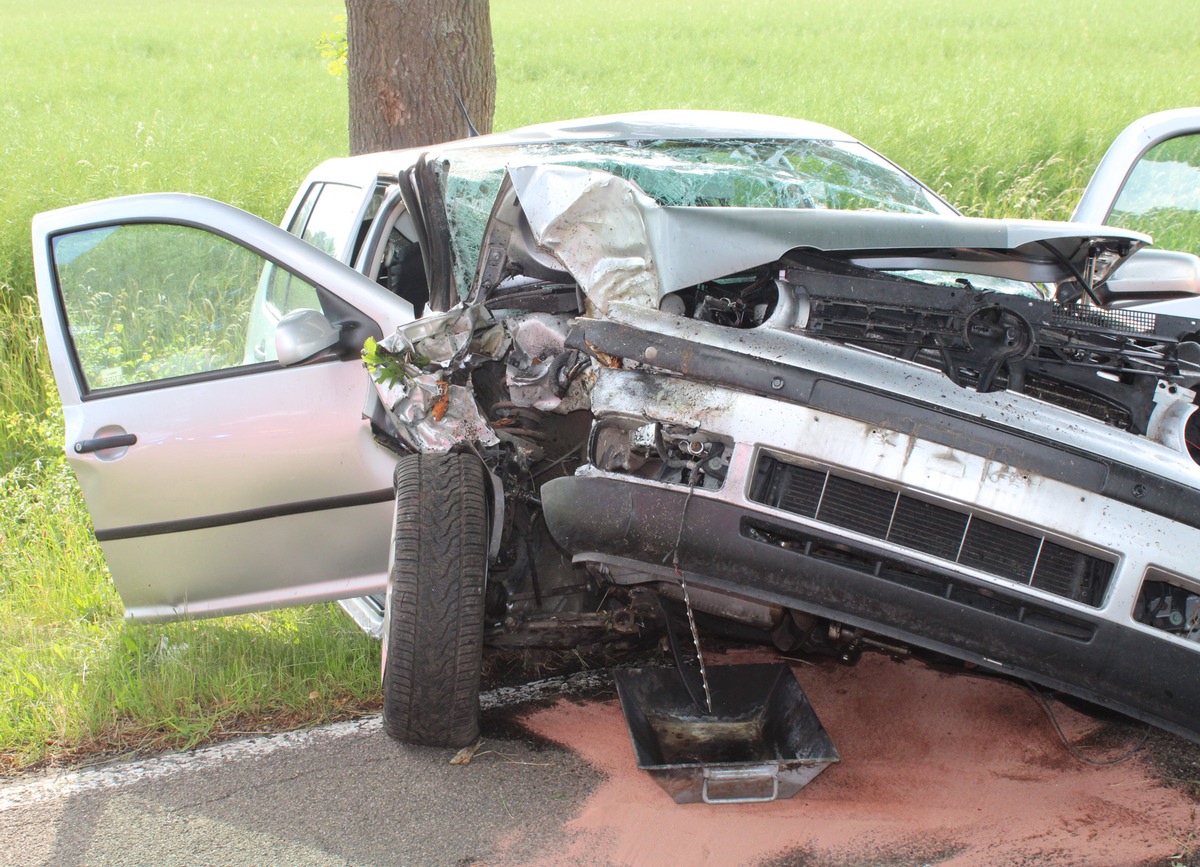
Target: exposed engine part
1167,606
521,427
578,630
738,301
625,621
723,605
666,453
800,632
1105,363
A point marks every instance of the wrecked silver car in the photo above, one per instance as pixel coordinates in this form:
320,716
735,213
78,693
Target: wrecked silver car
729,366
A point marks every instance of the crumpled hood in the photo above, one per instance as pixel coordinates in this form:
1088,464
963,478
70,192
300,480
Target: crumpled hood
621,245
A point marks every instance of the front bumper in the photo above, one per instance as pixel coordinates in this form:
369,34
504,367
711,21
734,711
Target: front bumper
734,540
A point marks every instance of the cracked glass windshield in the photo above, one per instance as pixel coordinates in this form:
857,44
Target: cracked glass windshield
790,174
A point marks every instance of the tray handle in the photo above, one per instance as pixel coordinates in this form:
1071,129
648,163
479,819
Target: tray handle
741,775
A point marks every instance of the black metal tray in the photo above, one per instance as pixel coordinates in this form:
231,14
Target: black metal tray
762,742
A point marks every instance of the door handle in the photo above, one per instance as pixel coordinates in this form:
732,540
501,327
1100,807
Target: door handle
120,441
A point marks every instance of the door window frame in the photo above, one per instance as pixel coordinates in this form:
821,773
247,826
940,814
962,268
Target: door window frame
335,308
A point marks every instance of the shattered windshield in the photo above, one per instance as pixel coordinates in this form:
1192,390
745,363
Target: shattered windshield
981,282
789,174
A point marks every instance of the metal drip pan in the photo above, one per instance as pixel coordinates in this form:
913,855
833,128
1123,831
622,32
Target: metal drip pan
762,742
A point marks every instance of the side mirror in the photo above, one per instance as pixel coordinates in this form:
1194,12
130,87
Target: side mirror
1152,275
303,334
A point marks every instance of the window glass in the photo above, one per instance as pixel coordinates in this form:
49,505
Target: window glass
286,291
1162,195
980,282
305,209
331,224
146,302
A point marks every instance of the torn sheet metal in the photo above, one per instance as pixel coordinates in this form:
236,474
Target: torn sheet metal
422,361
416,389
445,340
437,416
623,246
595,224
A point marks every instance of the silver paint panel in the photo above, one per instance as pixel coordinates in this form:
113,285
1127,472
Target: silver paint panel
1006,494
255,439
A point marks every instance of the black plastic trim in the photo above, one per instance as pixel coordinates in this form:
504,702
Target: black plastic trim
1108,663
208,522
99,444
439,265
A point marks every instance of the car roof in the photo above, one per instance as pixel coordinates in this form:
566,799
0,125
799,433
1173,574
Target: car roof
653,125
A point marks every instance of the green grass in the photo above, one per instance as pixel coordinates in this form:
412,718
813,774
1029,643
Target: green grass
225,99
1004,107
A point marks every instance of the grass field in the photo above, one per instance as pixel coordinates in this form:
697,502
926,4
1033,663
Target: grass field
1003,107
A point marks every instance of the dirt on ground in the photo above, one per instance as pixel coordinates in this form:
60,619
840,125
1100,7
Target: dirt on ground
935,768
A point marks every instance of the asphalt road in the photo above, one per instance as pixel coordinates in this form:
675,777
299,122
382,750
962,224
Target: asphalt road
345,794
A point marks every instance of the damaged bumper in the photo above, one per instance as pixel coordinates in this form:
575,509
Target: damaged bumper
1031,550
878,425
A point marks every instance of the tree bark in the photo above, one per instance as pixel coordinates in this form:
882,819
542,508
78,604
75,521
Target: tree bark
407,60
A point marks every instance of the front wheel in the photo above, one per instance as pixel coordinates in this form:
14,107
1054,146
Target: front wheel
433,617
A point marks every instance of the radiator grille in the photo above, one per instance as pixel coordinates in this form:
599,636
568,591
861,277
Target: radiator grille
1132,321
928,528
960,537
857,507
999,550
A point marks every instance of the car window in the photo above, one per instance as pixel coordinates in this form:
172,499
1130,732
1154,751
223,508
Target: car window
1161,197
329,222
300,218
147,302
287,292
981,282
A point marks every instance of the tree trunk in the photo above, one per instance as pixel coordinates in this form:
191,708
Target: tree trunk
407,60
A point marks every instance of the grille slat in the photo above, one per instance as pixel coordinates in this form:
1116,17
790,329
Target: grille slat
928,528
857,507
932,529
1000,550
1071,574
801,490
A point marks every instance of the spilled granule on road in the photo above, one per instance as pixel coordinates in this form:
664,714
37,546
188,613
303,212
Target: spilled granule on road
936,769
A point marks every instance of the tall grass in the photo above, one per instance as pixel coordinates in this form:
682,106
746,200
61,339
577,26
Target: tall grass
1003,107
225,99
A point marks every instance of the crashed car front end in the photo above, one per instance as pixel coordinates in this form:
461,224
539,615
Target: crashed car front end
842,427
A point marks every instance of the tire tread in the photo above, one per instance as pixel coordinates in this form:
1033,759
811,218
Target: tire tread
434,628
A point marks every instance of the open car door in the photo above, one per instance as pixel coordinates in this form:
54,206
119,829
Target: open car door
1149,181
220,478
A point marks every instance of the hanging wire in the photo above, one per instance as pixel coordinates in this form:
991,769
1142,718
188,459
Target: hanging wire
1071,748
693,477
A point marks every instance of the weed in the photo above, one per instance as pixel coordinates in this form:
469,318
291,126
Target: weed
1186,843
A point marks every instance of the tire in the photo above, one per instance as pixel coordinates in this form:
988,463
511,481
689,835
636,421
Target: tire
433,616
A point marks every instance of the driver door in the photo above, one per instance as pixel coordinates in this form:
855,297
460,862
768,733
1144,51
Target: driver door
218,480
